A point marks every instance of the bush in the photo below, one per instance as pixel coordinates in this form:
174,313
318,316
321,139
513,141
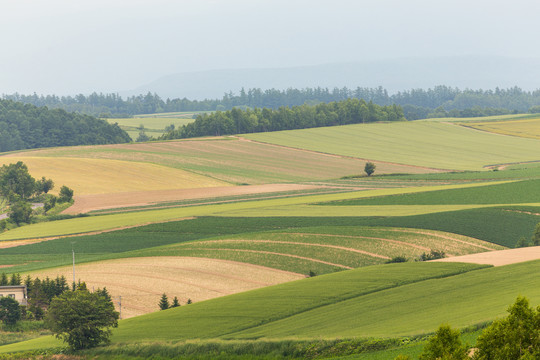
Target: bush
10,311
445,345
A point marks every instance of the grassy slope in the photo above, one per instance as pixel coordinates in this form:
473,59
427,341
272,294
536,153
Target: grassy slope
230,314
423,143
467,299
336,305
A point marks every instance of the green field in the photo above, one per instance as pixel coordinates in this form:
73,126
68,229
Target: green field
401,300
344,232
509,193
422,143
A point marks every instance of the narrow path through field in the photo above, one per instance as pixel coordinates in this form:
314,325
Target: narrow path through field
299,243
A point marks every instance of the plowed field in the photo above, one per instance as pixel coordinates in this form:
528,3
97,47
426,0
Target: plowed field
141,281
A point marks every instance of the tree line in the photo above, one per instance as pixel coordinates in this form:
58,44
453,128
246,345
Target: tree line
25,126
237,121
416,103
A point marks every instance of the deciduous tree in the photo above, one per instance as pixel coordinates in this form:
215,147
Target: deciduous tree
81,318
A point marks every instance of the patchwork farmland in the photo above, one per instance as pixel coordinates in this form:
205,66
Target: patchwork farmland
279,237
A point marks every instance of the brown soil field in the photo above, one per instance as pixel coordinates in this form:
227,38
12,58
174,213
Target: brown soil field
86,203
141,281
498,258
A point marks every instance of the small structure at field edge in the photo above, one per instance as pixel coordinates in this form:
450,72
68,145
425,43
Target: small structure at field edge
17,292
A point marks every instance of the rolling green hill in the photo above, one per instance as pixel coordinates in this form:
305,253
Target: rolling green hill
422,143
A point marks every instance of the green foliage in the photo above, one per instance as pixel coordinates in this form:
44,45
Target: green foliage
10,311
20,212
432,255
536,235
175,303
66,194
50,202
82,319
163,302
369,169
397,259
16,183
236,121
445,345
27,127
522,242
44,185
515,337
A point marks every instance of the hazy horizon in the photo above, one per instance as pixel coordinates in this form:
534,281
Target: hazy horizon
69,47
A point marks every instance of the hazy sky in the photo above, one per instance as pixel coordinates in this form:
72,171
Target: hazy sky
72,46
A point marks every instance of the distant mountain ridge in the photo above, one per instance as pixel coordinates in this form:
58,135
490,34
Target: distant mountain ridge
472,72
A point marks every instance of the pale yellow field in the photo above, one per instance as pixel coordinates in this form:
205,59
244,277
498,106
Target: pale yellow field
141,281
529,128
103,176
498,258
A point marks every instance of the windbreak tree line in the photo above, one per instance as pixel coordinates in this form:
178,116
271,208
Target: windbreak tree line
416,103
25,126
236,121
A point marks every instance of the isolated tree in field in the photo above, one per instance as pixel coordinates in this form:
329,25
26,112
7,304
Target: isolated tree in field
10,311
66,194
163,302
369,168
81,318
515,337
445,344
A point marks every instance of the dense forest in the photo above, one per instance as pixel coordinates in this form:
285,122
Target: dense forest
25,126
238,121
416,103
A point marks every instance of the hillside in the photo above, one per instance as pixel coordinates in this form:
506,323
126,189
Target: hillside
27,126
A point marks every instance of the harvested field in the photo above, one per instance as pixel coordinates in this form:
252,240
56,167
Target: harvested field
142,281
87,203
529,128
231,160
102,176
498,258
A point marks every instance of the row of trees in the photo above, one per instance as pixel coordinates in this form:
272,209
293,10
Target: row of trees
25,126
237,121
417,103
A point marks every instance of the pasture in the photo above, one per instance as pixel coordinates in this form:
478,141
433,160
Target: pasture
421,143
154,126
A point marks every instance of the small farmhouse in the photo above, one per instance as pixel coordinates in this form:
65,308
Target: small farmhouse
17,292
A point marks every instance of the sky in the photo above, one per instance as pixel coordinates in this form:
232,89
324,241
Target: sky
71,46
